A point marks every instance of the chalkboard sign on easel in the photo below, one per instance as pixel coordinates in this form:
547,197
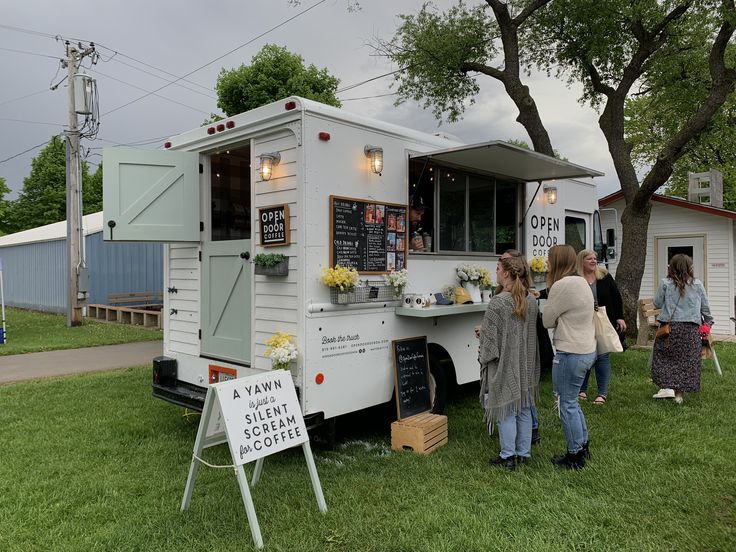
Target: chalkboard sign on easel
411,376
367,235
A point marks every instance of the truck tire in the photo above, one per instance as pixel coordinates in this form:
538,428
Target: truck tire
437,385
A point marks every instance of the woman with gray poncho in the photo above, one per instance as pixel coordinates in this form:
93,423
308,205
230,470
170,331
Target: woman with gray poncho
509,363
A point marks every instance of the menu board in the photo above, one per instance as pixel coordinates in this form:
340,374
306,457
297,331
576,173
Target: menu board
367,235
411,376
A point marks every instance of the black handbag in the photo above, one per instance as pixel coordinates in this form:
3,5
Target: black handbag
544,343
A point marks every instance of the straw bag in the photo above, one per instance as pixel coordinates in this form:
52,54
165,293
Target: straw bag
606,338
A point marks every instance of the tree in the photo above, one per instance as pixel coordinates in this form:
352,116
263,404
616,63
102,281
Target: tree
610,47
43,197
4,207
274,73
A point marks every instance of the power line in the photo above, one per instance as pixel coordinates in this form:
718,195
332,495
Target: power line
24,97
150,93
369,97
220,57
357,84
24,151
32,122
29,53
27,31
208,95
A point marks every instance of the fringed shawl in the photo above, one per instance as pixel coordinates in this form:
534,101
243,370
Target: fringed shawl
509,359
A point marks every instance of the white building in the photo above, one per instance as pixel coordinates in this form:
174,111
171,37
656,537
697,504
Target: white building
704,232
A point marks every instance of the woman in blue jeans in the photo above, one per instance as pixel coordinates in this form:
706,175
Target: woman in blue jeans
569,310
605,294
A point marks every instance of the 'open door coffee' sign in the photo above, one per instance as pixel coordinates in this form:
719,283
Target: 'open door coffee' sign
274,225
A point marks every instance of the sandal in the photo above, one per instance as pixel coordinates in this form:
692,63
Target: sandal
583,396
599,400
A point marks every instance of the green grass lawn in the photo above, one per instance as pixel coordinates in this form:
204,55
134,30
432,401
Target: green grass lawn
31,331
94,463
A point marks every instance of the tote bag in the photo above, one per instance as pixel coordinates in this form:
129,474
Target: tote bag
606,338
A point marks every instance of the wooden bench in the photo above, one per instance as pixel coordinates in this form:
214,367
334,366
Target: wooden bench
647,321
142,299
138,309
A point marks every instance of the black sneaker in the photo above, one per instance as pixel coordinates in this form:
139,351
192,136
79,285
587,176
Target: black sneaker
523,460
586,450
508,463
536,438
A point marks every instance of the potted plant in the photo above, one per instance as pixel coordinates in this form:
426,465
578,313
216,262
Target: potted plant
271,264
281,350
342,281
471,276
538,266
397,279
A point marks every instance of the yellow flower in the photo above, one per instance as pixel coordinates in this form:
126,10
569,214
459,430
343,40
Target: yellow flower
341,277
538,264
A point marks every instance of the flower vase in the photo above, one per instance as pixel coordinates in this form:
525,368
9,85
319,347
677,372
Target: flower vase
474,292
539,277
486,295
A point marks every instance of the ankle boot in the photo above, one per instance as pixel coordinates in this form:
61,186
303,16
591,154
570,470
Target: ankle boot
570,460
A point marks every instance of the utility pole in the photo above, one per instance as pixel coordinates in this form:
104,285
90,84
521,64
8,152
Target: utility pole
74,192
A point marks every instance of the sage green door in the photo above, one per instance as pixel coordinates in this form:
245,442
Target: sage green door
150,196
226,303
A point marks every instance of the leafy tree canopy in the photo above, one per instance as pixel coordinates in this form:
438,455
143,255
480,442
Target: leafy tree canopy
4,206
274,73
43,197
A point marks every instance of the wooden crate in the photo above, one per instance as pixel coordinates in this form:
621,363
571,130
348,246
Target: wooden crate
422,433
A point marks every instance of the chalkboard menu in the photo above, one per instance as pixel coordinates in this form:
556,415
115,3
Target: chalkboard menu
367,235
411,376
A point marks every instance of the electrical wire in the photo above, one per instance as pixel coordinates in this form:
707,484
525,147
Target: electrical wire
32,122
219,57
24,97
28,53
368,97
151,93
25,151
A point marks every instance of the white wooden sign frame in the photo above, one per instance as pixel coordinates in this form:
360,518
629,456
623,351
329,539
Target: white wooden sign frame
271,393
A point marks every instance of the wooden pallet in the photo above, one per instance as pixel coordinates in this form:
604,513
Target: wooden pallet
422,433
125,315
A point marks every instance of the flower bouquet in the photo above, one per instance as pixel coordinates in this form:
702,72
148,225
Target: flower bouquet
398,280
472,277
281,350
538,266
342,281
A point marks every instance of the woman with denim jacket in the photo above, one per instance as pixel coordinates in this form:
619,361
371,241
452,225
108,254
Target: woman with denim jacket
684,304
569,310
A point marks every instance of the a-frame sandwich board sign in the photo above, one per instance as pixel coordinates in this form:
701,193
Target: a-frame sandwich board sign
257,416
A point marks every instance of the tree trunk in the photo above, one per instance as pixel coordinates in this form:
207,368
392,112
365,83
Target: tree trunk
630,269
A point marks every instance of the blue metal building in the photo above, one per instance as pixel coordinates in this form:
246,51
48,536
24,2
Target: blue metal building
35,266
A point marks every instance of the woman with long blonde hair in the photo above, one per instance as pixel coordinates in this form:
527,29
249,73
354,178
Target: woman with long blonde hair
509,360
605,294
569,310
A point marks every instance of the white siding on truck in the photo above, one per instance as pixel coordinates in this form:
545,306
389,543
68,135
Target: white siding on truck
670,221
275,303
183,328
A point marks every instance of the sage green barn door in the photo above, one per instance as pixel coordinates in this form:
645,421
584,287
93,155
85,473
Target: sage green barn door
226,300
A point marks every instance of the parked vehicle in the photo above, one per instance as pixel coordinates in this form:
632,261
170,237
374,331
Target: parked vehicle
338,187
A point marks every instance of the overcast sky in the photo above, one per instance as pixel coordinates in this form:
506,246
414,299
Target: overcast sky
180,36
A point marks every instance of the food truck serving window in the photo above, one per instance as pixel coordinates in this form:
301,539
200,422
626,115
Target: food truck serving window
454,211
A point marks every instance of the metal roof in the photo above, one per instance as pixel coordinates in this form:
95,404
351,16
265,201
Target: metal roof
506,160
55,231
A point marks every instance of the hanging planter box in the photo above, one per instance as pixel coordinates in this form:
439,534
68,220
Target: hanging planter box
279,269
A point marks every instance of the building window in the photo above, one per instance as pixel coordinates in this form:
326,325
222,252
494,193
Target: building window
575,233
474,213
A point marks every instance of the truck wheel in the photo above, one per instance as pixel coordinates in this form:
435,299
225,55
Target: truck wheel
437,386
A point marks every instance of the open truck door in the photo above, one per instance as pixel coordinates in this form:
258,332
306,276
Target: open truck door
150,196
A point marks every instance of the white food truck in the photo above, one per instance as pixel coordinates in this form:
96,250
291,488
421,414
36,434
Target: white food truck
323,186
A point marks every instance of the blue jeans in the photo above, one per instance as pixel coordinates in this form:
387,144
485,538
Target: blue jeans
535,417
515,434
568,372
602,374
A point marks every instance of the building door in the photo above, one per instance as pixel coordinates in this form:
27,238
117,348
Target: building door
226,266
694,246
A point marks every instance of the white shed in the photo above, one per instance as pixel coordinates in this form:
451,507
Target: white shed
704,232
